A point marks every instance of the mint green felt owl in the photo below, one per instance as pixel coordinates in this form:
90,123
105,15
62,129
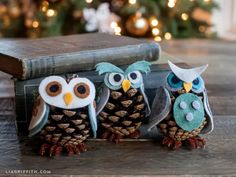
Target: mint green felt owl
181,110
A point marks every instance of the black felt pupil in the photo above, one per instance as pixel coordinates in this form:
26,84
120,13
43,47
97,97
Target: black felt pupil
117,77
54,88
175,80
196,82
81,89
133,76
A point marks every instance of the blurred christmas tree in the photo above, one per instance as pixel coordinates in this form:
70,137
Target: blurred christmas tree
140,18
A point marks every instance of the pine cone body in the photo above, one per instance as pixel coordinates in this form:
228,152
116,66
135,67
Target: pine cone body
170,129
124,112
66,127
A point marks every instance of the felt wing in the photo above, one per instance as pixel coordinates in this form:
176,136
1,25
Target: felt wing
210,124
102,98
93,119
148,110
161,107
39,116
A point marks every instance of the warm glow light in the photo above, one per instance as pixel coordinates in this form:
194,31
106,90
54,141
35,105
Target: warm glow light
50,12
157,38
45,5
35,24
155,31
171,3
89,1
207,0
168,36
114,24
184,16
132,1
117,29
202,28
154,22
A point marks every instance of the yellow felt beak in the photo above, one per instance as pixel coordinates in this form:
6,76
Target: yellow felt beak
68,97
187,86
126,85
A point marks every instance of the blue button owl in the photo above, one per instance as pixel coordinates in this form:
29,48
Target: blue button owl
181,110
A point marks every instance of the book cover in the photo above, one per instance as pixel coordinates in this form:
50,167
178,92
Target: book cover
31,58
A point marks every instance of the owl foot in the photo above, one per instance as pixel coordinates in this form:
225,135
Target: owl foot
115,138
52,150
72,149
82,147
135,134
44,149
111,137
196,142
170,143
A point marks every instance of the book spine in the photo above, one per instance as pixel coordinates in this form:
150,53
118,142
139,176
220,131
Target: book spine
86,60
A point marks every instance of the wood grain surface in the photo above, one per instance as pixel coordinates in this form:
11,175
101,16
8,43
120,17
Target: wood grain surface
143,157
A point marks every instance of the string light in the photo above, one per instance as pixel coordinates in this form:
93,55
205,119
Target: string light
132,2
184,16
168,36
44,6
202,29
35,24
157,38
50,12
155,31
89,1
113,25
171,3
154,22
117,30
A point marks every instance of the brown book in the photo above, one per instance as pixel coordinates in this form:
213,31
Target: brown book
31,58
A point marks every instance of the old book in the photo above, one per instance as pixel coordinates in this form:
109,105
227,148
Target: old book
27,90
31,58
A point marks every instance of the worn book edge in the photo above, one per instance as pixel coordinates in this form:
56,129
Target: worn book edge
48,65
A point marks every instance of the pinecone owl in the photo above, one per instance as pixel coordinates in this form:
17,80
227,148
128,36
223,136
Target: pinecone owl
181,110
124,103
64,114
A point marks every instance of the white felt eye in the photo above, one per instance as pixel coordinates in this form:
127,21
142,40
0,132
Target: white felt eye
115,79
135,77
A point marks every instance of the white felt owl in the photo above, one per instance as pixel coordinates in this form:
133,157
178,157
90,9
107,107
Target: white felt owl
64,114
181,110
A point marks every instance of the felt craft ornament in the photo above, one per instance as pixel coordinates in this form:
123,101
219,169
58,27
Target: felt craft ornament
64,114
123,103
181,110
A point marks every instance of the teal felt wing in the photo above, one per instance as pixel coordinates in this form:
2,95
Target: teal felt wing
148,110
93,119
39,117
161,107
210,124
102,98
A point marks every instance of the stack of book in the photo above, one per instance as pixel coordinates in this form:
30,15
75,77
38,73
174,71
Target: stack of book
29,61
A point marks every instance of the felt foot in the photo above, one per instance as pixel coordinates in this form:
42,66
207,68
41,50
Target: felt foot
196,142
136,134
51,150
111,137
171,143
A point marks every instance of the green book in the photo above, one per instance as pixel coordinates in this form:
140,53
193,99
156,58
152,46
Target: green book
32,58
27,90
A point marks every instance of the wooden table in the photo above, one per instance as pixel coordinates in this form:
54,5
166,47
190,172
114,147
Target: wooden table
147,157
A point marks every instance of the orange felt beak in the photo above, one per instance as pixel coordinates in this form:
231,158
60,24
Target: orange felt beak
68,97
187,86
126,85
